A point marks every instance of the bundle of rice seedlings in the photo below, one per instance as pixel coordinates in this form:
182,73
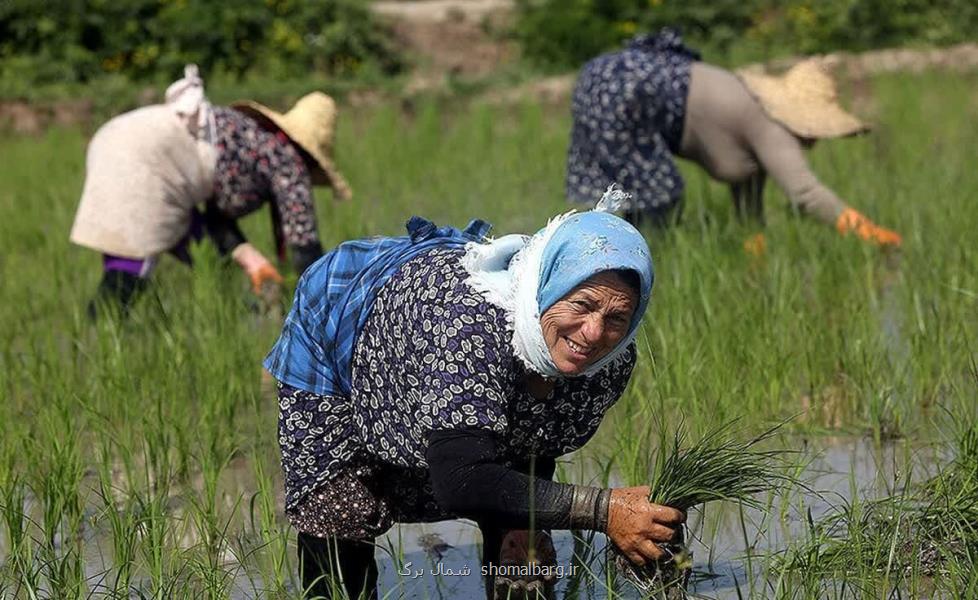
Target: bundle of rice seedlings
719,466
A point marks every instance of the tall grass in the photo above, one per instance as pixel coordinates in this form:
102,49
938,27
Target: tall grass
140,457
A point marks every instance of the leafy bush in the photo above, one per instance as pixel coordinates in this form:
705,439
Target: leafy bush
566,33
65,41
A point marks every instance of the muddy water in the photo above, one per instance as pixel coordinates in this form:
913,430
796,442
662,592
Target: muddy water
412,568
442,560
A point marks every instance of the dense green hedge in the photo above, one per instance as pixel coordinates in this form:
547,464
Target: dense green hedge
565,33
72,41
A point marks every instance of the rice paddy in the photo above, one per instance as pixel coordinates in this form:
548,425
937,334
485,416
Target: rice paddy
139,459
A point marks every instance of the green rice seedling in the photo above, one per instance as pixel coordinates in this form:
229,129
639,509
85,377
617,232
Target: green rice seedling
18,566
924,531
716,467
266,545
56,480
121,517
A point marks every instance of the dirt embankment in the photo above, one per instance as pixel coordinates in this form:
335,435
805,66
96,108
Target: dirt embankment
449,38
463,38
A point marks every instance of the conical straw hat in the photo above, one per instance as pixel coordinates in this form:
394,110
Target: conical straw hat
311,124
804,100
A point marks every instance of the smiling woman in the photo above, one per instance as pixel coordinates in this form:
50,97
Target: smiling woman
591,320
425,377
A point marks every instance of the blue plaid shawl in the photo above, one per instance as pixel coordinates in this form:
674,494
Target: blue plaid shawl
333,300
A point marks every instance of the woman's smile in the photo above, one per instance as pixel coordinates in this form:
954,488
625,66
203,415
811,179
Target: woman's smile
578,350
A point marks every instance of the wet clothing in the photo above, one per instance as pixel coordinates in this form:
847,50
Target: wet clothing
634,109
455,369
330,567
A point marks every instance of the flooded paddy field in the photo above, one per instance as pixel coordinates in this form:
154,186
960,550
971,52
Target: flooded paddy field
140,459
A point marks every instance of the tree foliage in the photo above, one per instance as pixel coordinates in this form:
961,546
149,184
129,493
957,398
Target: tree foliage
566,33
67,41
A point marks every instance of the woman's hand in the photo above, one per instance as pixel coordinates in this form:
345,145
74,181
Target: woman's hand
256,266
852,221
636,526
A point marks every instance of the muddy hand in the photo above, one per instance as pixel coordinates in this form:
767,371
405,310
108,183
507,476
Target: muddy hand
852,221
637,527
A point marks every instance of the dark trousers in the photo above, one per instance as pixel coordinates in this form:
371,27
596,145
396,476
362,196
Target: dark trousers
116,294
330,567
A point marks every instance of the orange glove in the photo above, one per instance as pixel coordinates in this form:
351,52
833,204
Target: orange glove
756,245
851,220
256,266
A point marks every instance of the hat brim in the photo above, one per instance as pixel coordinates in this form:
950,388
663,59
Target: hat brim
326,174
801,115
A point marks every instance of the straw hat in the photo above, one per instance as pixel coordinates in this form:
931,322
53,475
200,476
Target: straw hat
804,100
311,124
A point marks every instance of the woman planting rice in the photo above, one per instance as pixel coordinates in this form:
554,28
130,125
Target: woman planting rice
149,170
634,109
425,377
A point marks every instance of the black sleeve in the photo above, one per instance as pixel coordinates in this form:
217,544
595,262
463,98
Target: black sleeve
223,230
468,480
303,256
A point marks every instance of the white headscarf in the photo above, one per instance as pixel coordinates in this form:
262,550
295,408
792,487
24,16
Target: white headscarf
186,98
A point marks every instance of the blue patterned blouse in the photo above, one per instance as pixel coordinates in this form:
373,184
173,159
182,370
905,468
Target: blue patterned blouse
434,354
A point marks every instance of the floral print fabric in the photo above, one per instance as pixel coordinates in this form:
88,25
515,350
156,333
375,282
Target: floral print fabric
434,354
364,500
255,165
628,109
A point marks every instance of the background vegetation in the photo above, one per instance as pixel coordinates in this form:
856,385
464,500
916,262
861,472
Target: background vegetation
563,34
72,41
61,47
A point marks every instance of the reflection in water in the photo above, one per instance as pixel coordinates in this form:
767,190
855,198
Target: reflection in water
444,559
723,539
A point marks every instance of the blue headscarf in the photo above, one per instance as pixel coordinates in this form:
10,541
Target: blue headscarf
586,244
526,276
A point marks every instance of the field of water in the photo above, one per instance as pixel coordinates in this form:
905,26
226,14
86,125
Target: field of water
140,459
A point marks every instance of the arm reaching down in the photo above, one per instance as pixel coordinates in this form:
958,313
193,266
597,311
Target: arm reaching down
256,266
469,480
781,154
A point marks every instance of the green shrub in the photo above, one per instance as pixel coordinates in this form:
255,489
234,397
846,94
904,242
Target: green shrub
566,33
68,41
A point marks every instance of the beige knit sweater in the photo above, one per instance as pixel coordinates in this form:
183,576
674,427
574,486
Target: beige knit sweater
727,132
144,174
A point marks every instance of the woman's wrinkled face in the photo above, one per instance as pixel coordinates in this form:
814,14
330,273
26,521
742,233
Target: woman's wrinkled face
587,323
